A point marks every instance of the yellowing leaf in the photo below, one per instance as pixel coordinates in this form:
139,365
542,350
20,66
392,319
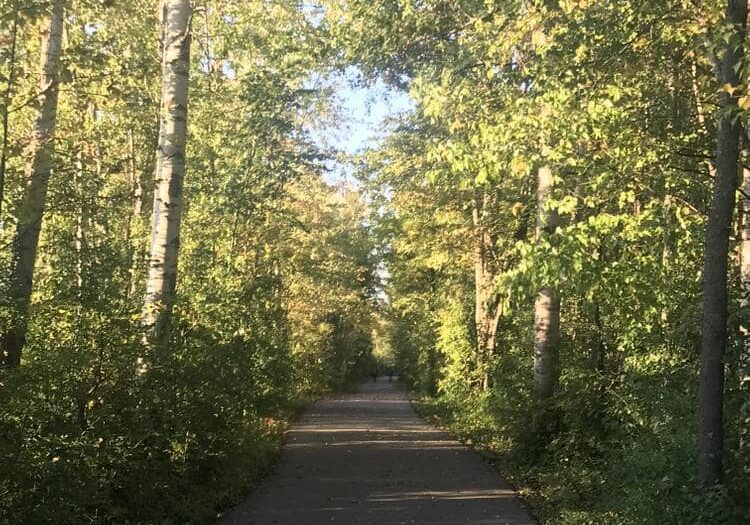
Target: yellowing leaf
538,38
519,166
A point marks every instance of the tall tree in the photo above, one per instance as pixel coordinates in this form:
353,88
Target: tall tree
170,172
488,303
547,304
39,169
744,256
7,96
714,343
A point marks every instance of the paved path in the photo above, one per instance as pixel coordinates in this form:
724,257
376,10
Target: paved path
367,458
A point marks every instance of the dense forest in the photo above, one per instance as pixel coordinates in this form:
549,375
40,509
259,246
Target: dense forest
552,247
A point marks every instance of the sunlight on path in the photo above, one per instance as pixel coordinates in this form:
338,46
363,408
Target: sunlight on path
367,458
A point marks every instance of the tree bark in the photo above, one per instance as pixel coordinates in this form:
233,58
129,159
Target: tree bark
667,250
7,97
487,304
745,238
136,188
744,358
547,305
80,231
711,381
165,234
31,209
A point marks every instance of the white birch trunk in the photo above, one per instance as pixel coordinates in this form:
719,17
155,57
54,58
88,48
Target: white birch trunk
31,209
547,305
170,171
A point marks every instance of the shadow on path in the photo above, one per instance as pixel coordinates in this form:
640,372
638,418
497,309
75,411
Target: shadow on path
367,458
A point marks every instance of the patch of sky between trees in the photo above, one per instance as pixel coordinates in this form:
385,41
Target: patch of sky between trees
363,115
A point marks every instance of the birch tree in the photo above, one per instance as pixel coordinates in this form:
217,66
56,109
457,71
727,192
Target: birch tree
31,209
547,304
165,233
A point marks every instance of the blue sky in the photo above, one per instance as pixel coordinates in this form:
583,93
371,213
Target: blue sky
363,111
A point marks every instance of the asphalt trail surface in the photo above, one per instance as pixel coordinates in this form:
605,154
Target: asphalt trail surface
367,458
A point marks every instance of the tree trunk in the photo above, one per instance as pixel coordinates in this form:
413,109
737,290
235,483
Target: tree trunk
547,305
745,238
487,302
7,97
744,358
711,382
31,209
165,234
79,242
667,251
134,222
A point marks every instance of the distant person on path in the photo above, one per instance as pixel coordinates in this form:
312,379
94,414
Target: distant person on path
390,374
374,375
